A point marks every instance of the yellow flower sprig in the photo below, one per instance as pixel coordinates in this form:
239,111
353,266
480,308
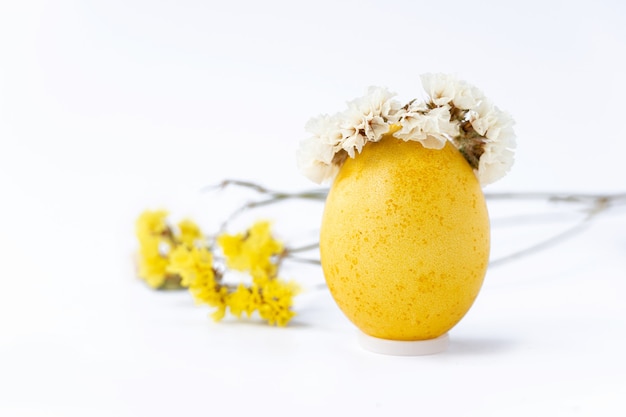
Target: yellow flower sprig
259,254
183,259
156,241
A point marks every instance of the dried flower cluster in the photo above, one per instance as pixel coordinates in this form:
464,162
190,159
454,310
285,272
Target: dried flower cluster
453,111
183,258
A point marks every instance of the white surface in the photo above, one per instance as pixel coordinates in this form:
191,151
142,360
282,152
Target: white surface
108,108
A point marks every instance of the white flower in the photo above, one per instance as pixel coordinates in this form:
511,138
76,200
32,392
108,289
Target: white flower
467,96
445,88
495,162
325,128
482,116
376,128
314,159
378,102
496,127
352,130
493,125
315,154
367,119
431,127
441,88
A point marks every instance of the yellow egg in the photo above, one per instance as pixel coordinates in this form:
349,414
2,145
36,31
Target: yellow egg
405,239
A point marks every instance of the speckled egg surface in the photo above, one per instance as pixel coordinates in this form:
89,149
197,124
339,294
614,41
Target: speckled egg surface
405,239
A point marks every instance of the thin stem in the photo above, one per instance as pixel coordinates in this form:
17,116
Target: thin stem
245,184
319,194
559,197
304,248
320,286
551,241
600,204
516,220
276,197
303,260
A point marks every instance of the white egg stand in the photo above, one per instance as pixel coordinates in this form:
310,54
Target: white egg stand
403,347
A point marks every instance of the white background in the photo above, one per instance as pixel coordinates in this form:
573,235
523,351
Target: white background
108,108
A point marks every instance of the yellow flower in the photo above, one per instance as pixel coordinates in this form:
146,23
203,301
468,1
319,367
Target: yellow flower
166,258
277,300
151,224
152,265
190,233
152,232
181,263
242,300
253,251
195,267
219,313
271,297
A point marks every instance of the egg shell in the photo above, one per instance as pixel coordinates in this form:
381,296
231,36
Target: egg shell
404,240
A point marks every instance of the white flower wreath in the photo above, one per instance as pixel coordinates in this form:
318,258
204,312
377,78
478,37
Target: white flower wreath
453,110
